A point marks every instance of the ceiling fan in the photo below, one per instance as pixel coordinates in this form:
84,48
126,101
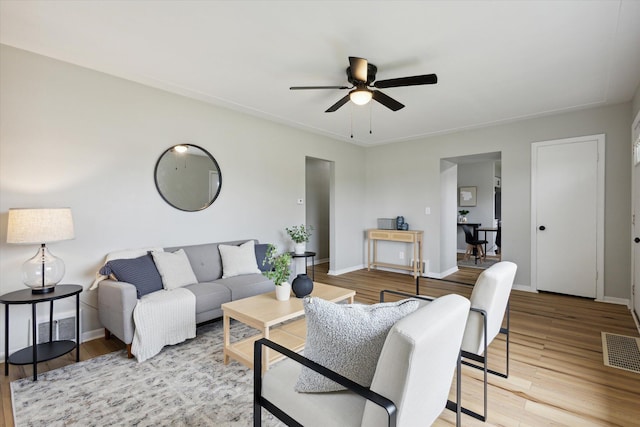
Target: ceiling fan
362,75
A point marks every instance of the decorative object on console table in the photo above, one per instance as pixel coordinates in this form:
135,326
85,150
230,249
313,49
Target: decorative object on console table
302,285
280,272
399,222
463,215
30,226
300,235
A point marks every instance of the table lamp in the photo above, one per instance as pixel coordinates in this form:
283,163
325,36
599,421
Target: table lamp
29,226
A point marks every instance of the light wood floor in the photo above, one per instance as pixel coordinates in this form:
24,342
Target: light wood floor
557,376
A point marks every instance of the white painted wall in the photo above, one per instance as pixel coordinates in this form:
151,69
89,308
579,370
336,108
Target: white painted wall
405,177
78,138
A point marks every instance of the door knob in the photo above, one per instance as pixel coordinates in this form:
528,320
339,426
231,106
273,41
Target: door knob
637,240
542,228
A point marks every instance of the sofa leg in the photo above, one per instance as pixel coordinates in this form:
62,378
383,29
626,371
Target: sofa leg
107,334
129,354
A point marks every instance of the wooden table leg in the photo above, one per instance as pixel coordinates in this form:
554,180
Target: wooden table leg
225,328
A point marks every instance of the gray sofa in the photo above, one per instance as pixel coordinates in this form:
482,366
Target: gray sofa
116,300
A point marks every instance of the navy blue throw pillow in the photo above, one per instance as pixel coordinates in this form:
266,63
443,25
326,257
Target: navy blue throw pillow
140,272
261,253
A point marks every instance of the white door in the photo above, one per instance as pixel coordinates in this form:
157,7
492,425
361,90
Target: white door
635,290
635,284
566,223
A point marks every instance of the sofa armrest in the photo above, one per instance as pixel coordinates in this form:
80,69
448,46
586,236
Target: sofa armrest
116,301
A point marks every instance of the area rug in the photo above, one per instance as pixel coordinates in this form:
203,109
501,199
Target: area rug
185,385
482,265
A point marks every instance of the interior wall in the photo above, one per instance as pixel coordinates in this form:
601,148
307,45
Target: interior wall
77,138
448,218
317,184
412,182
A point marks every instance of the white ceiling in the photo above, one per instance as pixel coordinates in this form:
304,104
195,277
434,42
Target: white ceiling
497,61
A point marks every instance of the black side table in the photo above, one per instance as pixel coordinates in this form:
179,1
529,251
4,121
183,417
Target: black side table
45,351
306,255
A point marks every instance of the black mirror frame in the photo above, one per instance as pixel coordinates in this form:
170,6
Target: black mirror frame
155,178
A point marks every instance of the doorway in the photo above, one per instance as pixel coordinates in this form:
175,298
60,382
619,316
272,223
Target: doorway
318,178
482,175
567,216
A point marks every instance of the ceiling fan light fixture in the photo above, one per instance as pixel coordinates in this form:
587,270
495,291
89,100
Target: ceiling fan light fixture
360,96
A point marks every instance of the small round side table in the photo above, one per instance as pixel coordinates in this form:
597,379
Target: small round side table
307,254
45,351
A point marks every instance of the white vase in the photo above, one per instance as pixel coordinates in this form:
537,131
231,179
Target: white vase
283,292
300,248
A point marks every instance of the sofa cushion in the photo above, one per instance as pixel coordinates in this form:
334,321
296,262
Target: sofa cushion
247,285
348,339
141,272
175,269
209,295
261,254
237,260
205,259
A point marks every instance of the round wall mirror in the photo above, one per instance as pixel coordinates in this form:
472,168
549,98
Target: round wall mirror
188,177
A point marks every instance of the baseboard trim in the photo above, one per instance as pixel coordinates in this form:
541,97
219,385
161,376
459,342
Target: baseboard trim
434,275
92,335
345,270
614,300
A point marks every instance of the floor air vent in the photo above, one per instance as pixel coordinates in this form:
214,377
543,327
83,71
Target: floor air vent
621,351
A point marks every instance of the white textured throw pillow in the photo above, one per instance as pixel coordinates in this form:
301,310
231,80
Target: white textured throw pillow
175,269
237,260
348,339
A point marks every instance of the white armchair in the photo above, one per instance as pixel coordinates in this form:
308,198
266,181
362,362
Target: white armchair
410,385
489,306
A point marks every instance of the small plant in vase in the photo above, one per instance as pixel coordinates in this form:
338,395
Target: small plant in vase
300,235
463,215
280,271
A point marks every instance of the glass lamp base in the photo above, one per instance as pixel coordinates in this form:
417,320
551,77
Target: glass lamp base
42,272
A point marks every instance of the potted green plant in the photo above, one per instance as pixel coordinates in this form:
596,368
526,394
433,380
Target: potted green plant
463,215
300,235
280,271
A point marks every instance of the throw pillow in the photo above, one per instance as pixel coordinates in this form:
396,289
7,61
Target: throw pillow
141,272
261,254
237,260
175,269
348,339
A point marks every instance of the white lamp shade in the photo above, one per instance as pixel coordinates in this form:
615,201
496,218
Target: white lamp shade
36,226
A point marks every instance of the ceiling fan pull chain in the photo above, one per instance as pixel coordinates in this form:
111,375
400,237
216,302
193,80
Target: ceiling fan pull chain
352,122
370,114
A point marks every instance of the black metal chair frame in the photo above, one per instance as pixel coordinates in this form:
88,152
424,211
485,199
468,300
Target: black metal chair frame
259,401
467,355
471,238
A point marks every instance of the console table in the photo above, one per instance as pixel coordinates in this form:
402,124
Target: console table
411,236
45,351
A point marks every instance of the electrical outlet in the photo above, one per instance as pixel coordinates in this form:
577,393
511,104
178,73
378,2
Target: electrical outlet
427,211
401,255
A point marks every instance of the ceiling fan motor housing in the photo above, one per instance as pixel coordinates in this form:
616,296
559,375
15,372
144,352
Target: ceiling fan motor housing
371,75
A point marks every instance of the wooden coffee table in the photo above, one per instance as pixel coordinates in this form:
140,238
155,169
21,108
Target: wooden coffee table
265,313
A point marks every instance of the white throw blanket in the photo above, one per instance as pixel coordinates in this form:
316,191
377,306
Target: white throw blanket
163,318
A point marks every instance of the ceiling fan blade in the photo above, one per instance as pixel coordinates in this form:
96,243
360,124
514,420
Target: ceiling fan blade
338,104
358,68
387,101
318,87
425,79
